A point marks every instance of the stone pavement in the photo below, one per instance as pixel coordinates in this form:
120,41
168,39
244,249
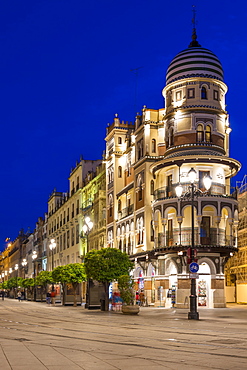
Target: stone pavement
35,336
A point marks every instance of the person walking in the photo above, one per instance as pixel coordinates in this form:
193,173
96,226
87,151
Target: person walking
48,298
2,293
19,295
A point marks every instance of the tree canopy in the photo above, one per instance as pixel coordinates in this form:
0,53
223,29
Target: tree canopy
107,264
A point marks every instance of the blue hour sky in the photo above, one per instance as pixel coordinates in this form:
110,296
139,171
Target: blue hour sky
66,70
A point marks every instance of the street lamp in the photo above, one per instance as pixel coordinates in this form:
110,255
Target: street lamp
193,314
87,227
52,246
24,264
34,256
16,269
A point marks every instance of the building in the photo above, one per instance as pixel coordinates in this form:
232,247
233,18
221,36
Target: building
236,266
67,213
147,160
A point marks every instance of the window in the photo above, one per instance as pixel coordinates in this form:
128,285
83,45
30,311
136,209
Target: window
77,233
208,134
119,140
68,239
191,93
178,95
169,185
199,133
152,187
67,214
119,205
153,146
205,230
202,174
170,232
77,183
72,236
77,206
203,92
119,171
73,211
216,95
140,149
151,231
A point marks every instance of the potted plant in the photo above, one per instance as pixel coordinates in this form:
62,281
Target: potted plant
127,294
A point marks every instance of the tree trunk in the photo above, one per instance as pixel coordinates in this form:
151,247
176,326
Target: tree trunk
74,288
106,286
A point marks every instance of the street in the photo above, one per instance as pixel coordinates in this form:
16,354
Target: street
35,336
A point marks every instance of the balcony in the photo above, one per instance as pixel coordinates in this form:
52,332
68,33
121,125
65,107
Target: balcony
126,212
86,205
201,241
216,190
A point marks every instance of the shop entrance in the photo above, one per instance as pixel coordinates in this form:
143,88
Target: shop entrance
203,285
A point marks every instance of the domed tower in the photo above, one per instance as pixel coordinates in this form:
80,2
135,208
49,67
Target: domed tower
196,132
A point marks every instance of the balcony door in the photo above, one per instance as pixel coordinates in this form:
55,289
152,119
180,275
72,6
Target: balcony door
205,230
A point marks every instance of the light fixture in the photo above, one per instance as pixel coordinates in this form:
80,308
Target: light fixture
207,182
192,175
179,190
16,266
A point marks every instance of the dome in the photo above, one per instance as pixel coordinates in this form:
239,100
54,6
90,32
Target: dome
195,61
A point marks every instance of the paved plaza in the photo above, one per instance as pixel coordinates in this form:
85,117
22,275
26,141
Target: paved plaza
35,336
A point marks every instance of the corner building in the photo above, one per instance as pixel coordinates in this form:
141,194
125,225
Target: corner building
145,161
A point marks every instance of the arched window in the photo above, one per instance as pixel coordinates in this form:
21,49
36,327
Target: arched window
139,184
199,133
208,134
203,92
153,146
119,205
110,206
119,171
152,187
151,231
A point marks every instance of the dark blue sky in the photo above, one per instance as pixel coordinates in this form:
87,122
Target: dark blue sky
65,71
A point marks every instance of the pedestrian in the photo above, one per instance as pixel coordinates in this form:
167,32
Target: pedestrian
19,295
53,295
3,293
137,298
142,298
48,297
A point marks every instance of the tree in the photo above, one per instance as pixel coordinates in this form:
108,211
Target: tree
106,265
59,276
44,278
126,289
28,284
73,274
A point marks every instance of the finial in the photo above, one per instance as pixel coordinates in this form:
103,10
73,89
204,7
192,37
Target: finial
194,42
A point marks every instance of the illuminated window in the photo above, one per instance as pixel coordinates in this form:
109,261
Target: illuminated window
153,146
216,95
208,134
200,133
178,95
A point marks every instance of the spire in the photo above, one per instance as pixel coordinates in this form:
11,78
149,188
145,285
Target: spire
194,43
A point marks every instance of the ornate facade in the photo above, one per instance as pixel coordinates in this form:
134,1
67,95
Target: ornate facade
145,161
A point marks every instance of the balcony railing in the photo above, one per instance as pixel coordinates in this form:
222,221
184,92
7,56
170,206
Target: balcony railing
126,211
216,189
214,238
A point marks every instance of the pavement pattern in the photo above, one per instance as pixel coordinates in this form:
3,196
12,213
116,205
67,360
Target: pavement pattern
35,336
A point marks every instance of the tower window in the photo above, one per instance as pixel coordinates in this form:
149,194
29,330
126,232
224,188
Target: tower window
152,187
203,93
153,146
119,140
208,134
119,171
191,93
178,95
199,133
216,95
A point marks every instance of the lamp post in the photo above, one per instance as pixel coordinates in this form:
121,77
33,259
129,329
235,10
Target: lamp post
52,246
16,269
24,264
87,227
193,313
34,256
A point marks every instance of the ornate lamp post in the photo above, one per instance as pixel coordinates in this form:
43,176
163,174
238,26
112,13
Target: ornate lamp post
193,314
52,246
16,269
87,227
34,256
24,264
